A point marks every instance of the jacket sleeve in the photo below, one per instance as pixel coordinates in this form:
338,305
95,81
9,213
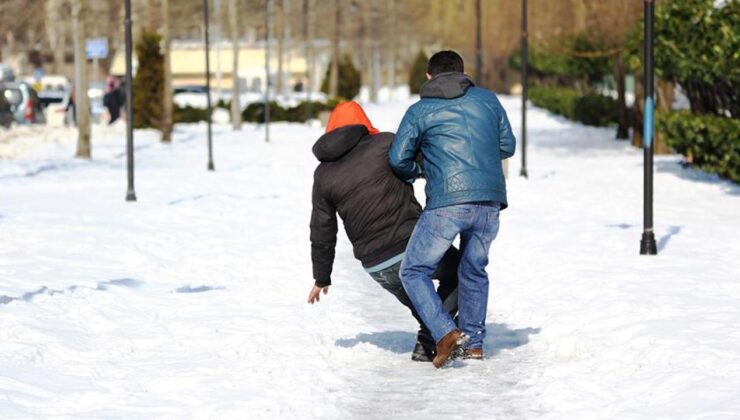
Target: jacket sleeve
323,235
402,156
507,141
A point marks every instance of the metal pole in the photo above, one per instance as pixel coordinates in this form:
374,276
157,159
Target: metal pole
525,64
268,25
478,44
208,89
647,244
130,193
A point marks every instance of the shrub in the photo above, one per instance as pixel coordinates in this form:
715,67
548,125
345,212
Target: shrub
350,79
709,142
149,82
189,114
597,110
418,73
589,109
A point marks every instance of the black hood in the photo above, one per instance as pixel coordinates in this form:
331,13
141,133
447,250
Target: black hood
446,86
337,143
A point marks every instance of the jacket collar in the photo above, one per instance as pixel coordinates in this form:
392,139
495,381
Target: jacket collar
447,86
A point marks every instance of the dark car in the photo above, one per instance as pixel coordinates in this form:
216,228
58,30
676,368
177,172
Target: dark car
6,113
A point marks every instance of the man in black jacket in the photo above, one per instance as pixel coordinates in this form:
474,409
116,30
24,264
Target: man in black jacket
378,209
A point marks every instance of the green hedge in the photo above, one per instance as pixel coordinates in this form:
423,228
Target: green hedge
255,112
589,109
711,143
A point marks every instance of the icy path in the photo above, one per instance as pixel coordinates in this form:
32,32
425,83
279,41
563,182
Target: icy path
191,302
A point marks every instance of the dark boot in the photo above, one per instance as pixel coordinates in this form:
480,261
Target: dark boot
423,352
450,346
473,354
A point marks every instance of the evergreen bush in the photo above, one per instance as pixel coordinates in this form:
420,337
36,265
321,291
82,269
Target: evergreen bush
418,73
350,79
149,82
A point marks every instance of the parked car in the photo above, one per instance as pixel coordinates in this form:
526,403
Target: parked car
53,89
6,73
63,113
189,89
24,102
6,113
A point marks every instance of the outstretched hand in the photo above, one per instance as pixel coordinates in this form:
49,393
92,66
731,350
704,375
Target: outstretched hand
315,295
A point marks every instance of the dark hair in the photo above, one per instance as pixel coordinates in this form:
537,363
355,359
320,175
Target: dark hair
444,62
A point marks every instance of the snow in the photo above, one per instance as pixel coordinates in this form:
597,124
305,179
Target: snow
191,301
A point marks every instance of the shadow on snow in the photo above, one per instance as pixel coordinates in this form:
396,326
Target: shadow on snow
102,285
498,337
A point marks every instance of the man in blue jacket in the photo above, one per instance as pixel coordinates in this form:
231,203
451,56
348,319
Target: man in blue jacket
463,134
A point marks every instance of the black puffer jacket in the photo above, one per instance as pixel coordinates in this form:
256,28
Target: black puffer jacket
378,209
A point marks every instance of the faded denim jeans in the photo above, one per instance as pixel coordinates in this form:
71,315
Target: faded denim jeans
477,224
390,280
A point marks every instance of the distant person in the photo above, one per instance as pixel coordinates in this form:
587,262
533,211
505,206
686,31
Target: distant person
112,98
463,134
379,213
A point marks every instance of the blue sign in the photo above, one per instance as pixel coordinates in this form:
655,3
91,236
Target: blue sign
96,47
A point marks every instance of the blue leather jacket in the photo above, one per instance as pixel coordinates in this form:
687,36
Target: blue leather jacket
463,134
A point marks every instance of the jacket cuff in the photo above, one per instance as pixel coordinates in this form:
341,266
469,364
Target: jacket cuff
323,283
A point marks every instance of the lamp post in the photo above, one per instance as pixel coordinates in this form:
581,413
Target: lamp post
211,167
130,193
647,244
525,64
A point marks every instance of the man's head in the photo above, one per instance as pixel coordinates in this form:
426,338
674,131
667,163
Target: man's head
445,62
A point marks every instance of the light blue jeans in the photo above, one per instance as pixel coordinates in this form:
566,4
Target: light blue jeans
477,224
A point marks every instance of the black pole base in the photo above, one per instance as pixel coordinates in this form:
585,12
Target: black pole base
524,173
647,244
211,167
130,195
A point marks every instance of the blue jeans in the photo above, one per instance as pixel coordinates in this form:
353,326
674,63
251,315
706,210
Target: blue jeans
477,224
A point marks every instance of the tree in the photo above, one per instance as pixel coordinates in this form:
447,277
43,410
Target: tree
349,79
149,82
82,108
236,112
418,73
167,94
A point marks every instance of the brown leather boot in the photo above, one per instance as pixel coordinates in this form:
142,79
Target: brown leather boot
447,347
473,354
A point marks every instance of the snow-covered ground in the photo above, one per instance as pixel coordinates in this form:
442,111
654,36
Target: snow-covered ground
190,303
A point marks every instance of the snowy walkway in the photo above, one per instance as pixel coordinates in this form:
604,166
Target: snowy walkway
191,302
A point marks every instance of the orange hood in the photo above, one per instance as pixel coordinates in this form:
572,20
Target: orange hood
349,113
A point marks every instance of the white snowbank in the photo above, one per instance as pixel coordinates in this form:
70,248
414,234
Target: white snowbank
191,301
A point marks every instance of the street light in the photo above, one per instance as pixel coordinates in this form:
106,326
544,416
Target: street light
130,193
208,88
525,64
647,244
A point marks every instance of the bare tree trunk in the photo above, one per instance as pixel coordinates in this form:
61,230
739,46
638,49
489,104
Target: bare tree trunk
236,108
288,45
391,46
56,33
308,47
82,108
167,120
334,77
623,131
219,36
280,51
